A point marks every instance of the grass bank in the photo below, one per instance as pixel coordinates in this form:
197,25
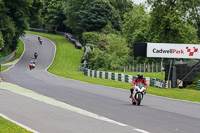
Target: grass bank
8,127
3,68
68,59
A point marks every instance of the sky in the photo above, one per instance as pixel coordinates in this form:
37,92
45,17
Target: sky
138,1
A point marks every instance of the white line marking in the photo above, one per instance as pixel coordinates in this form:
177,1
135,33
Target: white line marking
139,130
21,125
31,94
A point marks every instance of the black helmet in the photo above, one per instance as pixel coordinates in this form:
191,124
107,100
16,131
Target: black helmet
140,75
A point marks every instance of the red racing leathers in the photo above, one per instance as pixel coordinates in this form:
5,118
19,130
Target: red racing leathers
142,81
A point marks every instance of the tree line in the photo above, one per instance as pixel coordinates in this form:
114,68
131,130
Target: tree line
14,19
108,26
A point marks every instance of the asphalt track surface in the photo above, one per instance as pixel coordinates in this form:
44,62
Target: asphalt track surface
155,115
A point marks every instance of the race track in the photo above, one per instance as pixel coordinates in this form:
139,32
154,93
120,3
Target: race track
155,115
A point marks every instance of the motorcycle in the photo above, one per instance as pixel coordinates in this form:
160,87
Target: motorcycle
41,41
32,65
138,94
35,55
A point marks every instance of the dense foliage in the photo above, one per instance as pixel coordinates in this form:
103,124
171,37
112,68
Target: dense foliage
14,17
96,16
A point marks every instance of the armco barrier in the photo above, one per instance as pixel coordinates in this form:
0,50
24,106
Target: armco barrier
113,76
4,59
125,78
90,73
100,74
106,75
95,73
152,82
119,77
70,37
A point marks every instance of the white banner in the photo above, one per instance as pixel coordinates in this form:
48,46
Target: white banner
167,50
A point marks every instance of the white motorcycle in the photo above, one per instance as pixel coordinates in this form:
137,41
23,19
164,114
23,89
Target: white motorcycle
138,94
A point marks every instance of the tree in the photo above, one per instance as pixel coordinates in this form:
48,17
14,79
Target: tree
169,20
114,55
122,6
96,16
118,50
136,25
14,20
72,9
7,29
1,41
91,38
35,17
54,15
98,60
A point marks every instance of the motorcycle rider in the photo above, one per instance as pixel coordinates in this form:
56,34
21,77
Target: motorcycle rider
136,81
35,55
32,65
40,41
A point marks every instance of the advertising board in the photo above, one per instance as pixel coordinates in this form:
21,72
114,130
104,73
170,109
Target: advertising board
167,50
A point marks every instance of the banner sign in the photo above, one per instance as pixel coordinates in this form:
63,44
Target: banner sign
166,50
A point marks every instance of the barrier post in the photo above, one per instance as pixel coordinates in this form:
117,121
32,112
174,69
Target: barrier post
119,77
153,82
126,78
106,75
85,71
100,74
113,76
199,85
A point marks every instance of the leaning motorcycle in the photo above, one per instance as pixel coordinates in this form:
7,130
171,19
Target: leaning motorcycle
138,94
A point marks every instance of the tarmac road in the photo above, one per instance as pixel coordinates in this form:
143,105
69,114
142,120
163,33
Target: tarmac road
155,115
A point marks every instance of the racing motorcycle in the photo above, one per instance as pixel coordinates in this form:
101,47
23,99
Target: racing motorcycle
138,94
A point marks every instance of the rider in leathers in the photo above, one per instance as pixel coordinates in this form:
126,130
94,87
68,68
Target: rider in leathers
139,79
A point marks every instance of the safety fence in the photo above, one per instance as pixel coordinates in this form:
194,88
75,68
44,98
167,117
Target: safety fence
6,58
145,67
124,77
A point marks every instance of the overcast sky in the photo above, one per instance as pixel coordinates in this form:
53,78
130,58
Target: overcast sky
138,1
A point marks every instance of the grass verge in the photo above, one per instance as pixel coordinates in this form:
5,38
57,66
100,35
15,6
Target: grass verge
8,127
68,59
3,68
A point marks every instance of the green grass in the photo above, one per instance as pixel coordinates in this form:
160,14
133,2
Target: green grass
68,59
3,68
8,127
